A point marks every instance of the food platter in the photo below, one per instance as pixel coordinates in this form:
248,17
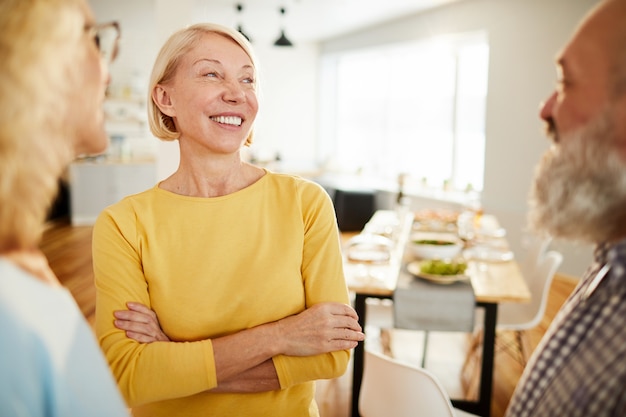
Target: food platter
427,220
415,268
434,245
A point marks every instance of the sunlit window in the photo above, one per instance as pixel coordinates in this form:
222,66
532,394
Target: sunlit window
414,108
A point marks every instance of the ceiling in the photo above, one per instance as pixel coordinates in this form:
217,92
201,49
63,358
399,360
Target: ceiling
314,20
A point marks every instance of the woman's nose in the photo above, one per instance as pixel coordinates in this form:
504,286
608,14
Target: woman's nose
546,107
233,91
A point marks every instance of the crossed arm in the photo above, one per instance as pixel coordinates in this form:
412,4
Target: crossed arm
243,360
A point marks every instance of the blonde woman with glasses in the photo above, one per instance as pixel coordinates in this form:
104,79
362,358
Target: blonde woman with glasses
53,77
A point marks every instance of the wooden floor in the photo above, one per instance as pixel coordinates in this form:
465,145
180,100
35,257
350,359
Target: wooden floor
69,252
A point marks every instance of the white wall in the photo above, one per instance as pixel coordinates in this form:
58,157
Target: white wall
524,37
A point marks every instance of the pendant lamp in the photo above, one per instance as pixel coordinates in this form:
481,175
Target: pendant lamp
282,40
239,8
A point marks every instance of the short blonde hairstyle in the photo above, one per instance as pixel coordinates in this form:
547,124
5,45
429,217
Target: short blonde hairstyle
168,61
39,46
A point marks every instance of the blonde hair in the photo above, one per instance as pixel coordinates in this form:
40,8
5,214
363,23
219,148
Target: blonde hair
167,62
38,47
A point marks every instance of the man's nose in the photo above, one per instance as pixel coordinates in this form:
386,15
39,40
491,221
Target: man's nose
545,111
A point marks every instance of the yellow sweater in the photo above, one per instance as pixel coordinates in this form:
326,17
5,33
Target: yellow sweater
210,267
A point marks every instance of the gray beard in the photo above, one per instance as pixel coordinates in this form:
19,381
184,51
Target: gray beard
579,189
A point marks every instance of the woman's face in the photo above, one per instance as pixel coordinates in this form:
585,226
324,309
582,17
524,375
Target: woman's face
88,92
212,96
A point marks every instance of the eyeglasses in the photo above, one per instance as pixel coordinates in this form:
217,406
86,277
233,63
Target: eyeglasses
107,39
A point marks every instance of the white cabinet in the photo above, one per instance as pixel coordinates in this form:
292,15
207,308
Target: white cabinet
95,185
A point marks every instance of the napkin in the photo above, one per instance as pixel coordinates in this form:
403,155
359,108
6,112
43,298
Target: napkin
423,305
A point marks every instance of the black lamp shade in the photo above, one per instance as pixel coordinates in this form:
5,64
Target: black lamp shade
283,41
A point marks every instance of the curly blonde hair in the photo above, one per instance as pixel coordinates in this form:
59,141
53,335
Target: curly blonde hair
166,64
38,47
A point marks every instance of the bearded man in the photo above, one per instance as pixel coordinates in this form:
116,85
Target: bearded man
579,193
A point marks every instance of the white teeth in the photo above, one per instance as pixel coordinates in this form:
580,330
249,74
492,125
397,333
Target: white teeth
228,120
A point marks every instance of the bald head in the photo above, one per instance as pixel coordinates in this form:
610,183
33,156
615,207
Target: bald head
612,13
620,47
607,24
596,59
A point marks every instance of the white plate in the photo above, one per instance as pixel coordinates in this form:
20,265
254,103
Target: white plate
415,268
372,255
487,254
369,248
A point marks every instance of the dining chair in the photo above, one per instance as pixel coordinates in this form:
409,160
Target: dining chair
393,388
536,248
518,317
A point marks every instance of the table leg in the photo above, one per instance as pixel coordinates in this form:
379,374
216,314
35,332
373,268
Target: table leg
483,406
357,356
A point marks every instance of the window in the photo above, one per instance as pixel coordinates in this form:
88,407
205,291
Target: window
416,109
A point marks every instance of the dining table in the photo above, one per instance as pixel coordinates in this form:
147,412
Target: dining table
493,282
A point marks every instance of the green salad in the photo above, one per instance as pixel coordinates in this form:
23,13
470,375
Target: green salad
433,242
439,267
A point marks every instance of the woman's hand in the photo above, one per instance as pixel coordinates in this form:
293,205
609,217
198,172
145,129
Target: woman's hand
140,323
322,328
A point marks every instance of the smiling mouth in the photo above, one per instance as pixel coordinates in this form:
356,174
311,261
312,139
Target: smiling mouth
228,120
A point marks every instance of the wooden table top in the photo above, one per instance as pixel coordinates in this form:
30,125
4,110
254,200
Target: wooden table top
493,282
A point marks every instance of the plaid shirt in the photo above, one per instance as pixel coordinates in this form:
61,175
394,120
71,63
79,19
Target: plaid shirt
579,367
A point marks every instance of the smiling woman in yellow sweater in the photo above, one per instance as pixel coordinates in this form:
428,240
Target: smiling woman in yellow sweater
241,266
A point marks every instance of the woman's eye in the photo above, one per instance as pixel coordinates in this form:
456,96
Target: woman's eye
248,80
211,74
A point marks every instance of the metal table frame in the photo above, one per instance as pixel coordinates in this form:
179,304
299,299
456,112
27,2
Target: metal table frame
482,407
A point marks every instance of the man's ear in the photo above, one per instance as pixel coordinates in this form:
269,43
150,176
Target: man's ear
161,98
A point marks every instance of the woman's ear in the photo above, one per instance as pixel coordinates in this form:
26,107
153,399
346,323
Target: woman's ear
161,98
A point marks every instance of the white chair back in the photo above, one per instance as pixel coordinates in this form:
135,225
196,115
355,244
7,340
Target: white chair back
537,246
523,316
391,388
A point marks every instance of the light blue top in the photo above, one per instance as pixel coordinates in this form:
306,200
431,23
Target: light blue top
50,362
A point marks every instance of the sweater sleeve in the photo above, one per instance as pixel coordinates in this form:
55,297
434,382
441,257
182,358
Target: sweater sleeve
323,278
144,372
